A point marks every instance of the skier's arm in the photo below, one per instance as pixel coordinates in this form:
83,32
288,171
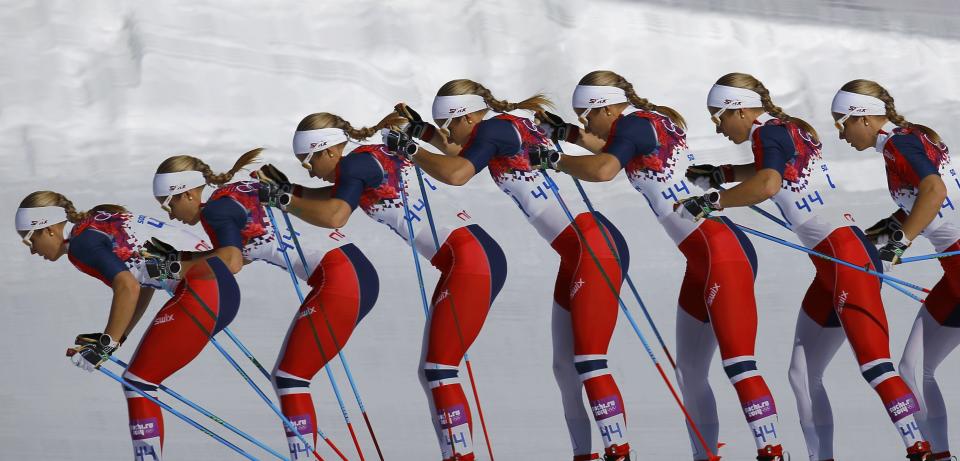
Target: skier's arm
932,191
354,174
324,212
450,169
313,193
634,136
594,167
126,291
143,301
778,150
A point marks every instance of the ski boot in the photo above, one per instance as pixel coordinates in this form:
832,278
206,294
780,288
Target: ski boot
920,451
459,457
944,456
587,457
617,453
771,453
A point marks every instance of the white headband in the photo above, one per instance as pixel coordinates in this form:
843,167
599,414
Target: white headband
445,107
591,97
29,219
730,97
310,141
857,104
165,184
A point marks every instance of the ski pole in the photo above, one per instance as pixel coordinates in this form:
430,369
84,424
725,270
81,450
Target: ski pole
466,356
408,217
208,414
891,282
341,354
326,366
286,422
636,328
171,410
629,280
945,254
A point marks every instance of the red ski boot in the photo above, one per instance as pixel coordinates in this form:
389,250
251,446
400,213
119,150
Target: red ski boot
617,453
587,457
920,451
770,453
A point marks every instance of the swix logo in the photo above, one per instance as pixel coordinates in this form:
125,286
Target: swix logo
713,293
39,222
888,155
306,312
856,109
732,102
443,295
177,187
163,319
457,110
841,301
597,101
318,145
576,287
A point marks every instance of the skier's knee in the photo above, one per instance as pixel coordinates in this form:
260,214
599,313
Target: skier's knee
435,374
589,366
285,383
740,368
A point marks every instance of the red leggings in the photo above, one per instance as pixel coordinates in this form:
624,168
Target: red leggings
718,290
943,302
204,303
472,271
841,296
587,287
345,287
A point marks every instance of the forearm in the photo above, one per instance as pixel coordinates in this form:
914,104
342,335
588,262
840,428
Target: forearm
122,308
323,212
143,301
925,209
447,169
441,143
314,193
742,172
753,190
590,142
594,168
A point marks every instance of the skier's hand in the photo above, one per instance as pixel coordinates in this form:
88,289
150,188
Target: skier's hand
893,250
416,127
697,208
556,128
543,158
162,260
399,143
881,232
709,177
86,339
275,189
91,356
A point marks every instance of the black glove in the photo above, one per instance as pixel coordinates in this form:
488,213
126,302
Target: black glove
89,357
697,208
162,259
881,232
544,157
891,252
416,127
557,129
709,176
400,143
85,339
275,189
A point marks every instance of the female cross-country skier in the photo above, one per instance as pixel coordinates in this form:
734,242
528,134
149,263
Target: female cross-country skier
476,133
717,305
344,284
472,265
916,161
108,243
841,302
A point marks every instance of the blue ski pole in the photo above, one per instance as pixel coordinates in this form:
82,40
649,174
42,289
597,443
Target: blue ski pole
208,414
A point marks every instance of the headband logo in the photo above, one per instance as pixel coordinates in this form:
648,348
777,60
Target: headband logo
457,110
596,100
857,109
39,222
315,145
177,187
732,102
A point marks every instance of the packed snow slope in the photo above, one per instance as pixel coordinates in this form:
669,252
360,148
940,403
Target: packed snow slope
93,95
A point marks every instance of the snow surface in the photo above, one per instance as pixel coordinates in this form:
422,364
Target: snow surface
94,94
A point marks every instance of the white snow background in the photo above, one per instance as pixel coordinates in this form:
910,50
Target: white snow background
93,95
